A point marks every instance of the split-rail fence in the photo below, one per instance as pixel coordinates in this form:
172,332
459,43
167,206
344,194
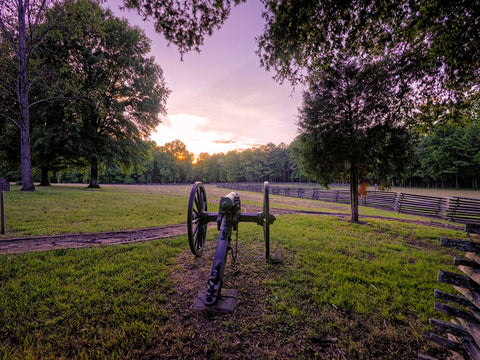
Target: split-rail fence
456,209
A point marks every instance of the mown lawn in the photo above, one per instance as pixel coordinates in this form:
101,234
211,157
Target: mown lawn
75,209
343,290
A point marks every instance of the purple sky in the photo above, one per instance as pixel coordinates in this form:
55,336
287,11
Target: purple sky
221,98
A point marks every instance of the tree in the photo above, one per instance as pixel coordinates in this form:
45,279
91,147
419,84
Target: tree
119,90
9,150
347,125
433,46
279,162
20,32
449,155
182,160
471,139
54,139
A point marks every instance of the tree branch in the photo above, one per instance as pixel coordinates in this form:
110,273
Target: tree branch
9,118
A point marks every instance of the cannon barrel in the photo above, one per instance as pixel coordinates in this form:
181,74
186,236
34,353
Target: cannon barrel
229,201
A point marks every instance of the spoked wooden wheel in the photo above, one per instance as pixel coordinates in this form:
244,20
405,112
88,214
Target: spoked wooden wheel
266,220
197,219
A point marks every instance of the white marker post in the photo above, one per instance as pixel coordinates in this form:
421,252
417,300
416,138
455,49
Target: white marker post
4,186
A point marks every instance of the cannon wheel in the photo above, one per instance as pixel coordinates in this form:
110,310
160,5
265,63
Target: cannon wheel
197,218
266,222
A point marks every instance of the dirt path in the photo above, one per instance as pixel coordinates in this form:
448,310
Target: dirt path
52,242
44,243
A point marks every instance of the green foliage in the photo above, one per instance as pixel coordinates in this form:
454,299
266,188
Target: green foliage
184,23
449,155
94,92
264,163
435,41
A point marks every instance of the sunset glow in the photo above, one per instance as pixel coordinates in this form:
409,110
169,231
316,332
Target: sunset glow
221,99
189,129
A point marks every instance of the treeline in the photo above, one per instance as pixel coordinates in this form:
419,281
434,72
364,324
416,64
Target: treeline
78,104
448,156
173,163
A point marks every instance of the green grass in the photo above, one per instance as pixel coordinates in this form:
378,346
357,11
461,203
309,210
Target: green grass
379,268
368,285
61,209
438,192
85,303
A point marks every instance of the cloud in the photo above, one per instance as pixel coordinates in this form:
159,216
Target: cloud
244,101
187,128
224,141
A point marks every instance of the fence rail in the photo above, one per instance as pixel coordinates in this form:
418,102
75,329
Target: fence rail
457,209
463,336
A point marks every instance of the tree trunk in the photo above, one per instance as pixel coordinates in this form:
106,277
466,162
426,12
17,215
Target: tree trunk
354,190
94,175
45,181
22,93
26,160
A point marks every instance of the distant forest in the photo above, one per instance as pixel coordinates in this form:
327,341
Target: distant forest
448,157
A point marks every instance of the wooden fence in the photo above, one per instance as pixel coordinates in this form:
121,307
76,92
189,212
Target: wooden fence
457,209
463,333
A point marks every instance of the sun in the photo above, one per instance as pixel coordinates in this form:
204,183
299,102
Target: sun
190,129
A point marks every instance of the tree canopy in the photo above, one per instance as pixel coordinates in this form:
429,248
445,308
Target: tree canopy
375,67
184,23
436,37
82,73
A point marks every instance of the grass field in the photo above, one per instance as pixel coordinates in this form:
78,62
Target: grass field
343,290
473,194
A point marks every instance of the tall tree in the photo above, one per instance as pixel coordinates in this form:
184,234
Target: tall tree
182,160
347,125
20,32
433,45
449,155
119,90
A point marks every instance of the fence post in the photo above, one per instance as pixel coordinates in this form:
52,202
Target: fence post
453,209
398,202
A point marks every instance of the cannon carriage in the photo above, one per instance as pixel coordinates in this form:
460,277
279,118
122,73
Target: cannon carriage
228,217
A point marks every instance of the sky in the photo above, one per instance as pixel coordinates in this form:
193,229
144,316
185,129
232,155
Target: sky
221,99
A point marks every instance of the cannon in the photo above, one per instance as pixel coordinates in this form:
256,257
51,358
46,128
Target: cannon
228,217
